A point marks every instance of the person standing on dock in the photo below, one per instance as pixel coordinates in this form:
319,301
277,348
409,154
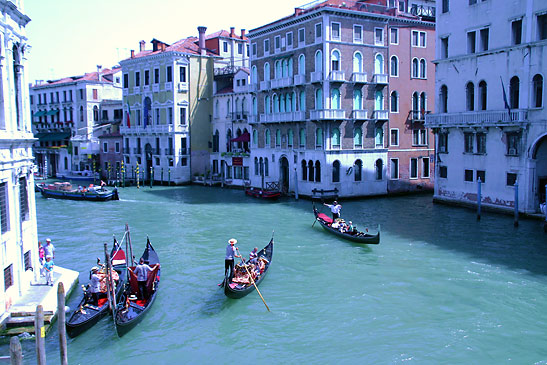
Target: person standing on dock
48,267
230,254
335,209
49,249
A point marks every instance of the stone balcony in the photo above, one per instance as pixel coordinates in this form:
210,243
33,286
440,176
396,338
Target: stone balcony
316,76
299,79
359,77
379,79
282,82
359,114
337,76
486,118
329,114
283,117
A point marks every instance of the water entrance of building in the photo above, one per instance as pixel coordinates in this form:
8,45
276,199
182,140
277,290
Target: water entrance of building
284,174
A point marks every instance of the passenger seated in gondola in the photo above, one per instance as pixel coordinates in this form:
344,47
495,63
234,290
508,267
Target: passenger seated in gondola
262,261
253,255
240,275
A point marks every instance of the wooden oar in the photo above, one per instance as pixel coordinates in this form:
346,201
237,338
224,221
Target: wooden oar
252,281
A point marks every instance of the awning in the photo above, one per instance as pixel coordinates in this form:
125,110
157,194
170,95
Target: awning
52,112
39,113
245,137
46,137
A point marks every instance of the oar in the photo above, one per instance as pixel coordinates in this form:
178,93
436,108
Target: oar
252,281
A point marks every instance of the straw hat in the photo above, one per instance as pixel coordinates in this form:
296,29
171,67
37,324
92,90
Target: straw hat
232,241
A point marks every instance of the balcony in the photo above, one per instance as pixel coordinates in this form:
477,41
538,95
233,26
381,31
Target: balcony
156,88
146,88
283,117
184,151
169,152
381,115
182,87
488,118
316,76
168,86
337,76
253,88
264,85
418,115
359,114
252,119
299,79
137,90
380,79
153,129
137,151
282,82
359,77
330,114
239,116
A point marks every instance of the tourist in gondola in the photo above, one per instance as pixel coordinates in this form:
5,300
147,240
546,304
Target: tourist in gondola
253,255
334,208
95,286
142,271
230,254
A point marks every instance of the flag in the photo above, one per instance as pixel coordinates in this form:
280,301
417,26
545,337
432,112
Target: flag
505,96
128,116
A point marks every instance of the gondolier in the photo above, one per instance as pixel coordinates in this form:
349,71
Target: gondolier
334,208
230,254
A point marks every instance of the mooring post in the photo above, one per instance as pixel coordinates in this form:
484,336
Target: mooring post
516,222
40,334
137,169
168,177
61,323
161,176
295,184
479,198
545,211
15,351
151,176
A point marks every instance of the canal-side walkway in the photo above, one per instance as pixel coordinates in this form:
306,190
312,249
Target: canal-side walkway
22,312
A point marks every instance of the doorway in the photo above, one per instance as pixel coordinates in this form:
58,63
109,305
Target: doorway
284,174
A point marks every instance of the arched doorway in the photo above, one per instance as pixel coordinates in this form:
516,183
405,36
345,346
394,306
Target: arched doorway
284,174
148,155
539,154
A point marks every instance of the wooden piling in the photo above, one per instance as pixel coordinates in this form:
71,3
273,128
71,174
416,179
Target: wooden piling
61,323
479,199
15,351
40,334
516,221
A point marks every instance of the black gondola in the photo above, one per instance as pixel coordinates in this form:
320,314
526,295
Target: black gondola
130,310
86,315
235,290
358,237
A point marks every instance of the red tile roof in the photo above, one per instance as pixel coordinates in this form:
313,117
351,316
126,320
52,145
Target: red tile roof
106,76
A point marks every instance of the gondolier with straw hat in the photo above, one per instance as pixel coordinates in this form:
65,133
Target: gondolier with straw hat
230,254
335,209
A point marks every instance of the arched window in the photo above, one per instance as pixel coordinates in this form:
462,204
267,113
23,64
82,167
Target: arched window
379,136
238,106
357,62
335,98
245,143
483,92
357,137
470,96
394,66
266,167
336,171
282,103
537,92
357,99
285,68
318,61
278,138
358,170
266,71
301,64
443,98
514,92
423,105
415,104
379,100
318,99
267,107
82,115
95,113
317,171
256,166
318,138
291,67
415,68
335,60
335,139
302,101
261,165
379,64
310,171
423,72
379,169
302,138
216,141
304,170
275,104
255,137
228,139
217,106
290,138
277,69
228,108
243,104
394,102
267,138
255,106
254,75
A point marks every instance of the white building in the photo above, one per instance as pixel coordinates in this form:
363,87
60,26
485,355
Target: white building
67,117
490,118
18,233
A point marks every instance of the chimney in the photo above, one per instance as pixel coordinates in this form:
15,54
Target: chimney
132,53
201,31
99,67
242,33
232,32
298,11
141,46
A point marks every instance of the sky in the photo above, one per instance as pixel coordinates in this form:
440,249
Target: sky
72,37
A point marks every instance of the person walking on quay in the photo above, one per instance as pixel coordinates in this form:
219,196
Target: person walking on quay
48,267
230,254
42,256
335,209
142,271
49,249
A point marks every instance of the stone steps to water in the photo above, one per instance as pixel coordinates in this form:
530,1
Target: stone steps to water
25,321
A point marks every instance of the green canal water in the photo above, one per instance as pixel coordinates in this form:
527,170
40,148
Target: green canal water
441,288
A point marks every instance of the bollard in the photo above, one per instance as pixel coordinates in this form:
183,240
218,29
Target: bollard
61,323
295,184
151,176
161,179
169,177
479,198
137,171
15,351
516,222
40,334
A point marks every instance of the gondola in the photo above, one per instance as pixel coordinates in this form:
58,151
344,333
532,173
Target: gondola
86,315
358,237
263,194
235,290
99,194
130,310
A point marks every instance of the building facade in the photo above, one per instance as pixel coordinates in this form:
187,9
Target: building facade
168,99
18,232
67,116
490,119
321,108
